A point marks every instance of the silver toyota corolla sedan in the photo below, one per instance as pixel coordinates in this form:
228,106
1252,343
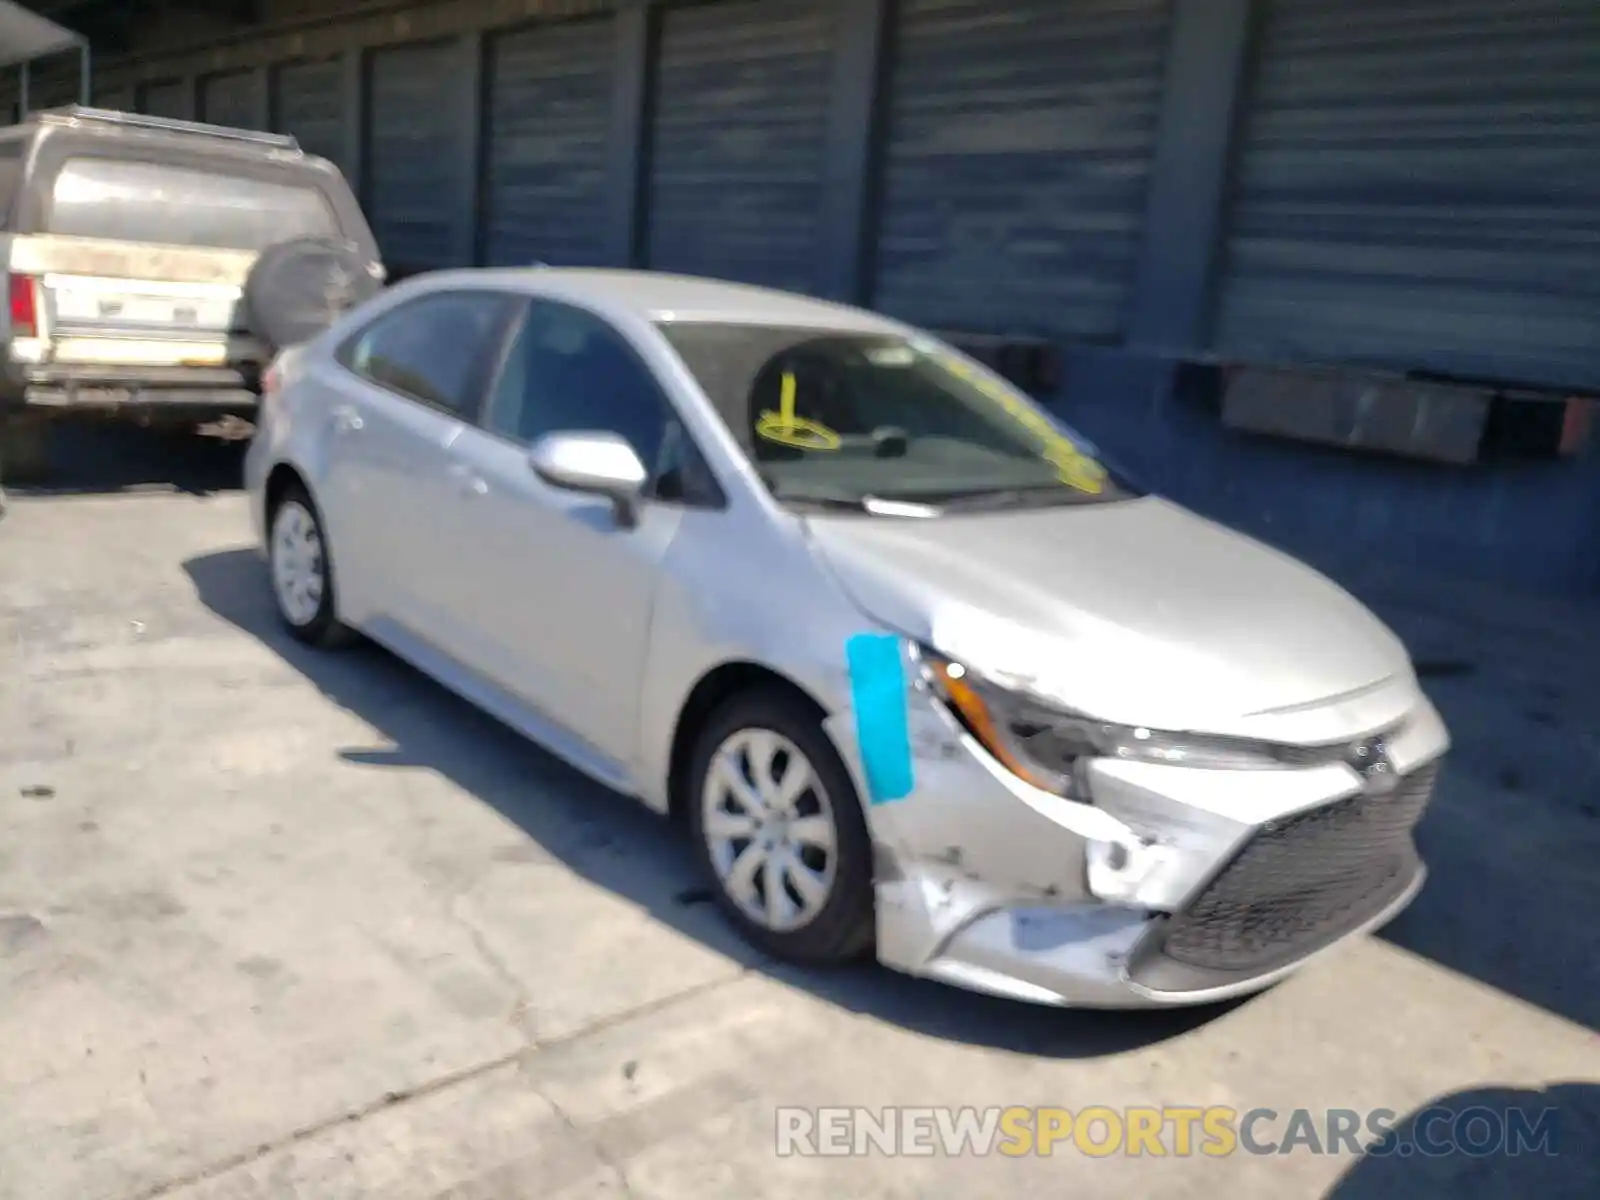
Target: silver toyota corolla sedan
920,672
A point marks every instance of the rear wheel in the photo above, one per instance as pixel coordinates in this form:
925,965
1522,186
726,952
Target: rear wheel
302,570
778,825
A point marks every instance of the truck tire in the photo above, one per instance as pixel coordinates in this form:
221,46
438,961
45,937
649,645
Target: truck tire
297,289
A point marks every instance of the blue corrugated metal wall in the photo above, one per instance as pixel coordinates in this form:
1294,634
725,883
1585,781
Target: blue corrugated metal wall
308,104
229,98
1017,162
410,186
1419,187
164,99
1405,182
549,112
738,147
1416,187
120,98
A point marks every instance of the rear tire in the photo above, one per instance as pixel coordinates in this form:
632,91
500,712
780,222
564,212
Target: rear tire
301,569
779,827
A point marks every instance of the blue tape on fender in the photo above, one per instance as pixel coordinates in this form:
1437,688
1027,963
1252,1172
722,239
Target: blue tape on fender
878,695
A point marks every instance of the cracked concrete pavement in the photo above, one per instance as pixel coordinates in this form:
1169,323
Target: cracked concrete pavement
277,924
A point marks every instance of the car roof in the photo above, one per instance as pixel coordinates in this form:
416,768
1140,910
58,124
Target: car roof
660,296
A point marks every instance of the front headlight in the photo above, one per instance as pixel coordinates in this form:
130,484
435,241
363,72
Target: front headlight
1044,745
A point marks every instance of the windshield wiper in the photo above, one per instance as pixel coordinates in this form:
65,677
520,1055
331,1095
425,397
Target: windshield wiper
820,497
991,498
818,500
878,506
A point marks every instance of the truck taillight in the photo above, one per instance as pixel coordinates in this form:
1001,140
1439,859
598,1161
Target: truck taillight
24,303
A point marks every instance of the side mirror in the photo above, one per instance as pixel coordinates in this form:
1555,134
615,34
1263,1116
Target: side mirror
601,464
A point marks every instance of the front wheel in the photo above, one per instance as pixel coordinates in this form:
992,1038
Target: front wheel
302,571
777,822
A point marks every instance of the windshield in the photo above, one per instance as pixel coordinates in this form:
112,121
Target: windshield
849,419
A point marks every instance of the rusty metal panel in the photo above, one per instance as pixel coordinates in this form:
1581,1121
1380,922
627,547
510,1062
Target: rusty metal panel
411,181
1419,189
549,115
308,104
1019,143
1440,422
739,141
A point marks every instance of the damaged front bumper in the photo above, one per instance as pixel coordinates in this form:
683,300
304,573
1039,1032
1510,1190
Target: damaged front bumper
1176,885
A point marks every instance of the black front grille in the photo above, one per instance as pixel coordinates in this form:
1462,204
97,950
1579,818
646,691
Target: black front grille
1300,882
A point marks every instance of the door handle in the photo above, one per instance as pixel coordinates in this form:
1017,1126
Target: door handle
470,483
346,419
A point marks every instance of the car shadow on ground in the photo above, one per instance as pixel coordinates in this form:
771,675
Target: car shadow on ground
1491,1143
94,458
618,844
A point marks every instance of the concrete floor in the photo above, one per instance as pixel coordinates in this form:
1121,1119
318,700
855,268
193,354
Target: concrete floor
276,924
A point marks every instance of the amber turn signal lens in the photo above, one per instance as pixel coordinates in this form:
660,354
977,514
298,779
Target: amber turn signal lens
969,706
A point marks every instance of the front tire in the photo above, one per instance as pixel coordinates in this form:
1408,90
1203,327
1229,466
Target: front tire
778,825
302,571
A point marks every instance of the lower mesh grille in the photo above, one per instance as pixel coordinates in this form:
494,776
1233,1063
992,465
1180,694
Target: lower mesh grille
1302,881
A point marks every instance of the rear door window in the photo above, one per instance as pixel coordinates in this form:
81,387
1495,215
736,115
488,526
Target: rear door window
434,349
155,202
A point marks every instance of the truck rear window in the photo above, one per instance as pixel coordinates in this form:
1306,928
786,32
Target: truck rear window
153,202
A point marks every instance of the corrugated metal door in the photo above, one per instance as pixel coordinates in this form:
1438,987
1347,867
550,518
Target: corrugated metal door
308,106
229,99
165,99
549,111
1020,138
410,180
52,90
740,141
118,98
1420,188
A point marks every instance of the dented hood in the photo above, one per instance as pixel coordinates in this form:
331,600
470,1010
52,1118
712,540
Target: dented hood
1137,612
